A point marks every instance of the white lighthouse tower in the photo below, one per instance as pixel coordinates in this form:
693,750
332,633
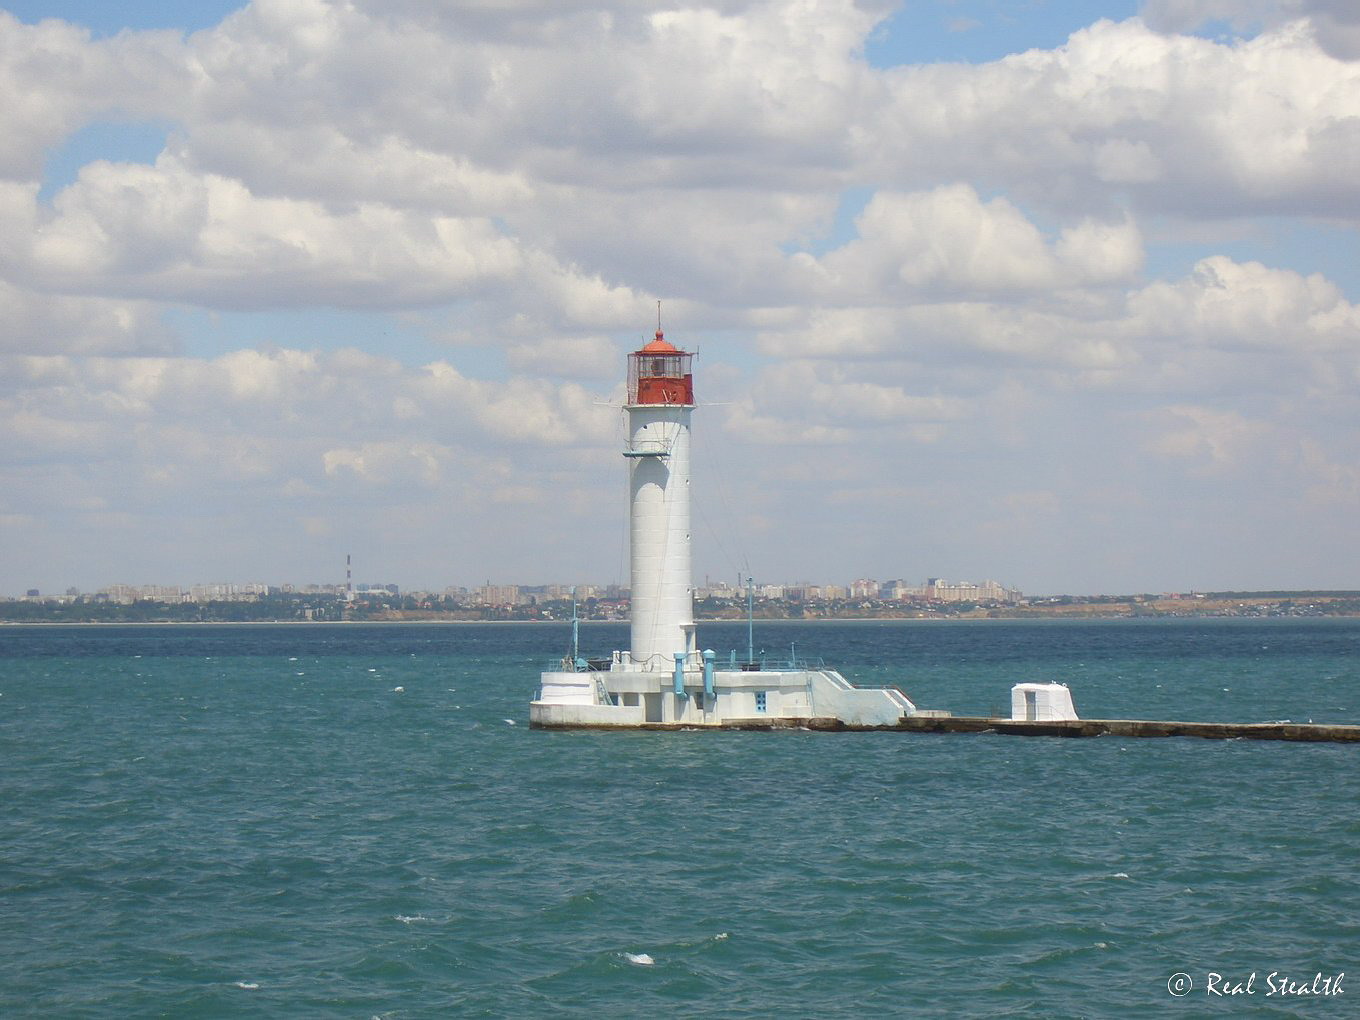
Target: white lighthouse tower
662,679
660,402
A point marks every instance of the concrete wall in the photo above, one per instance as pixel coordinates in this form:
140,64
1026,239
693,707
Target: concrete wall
568,688
545,714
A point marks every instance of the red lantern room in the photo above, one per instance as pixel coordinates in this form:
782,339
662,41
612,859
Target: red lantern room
660,374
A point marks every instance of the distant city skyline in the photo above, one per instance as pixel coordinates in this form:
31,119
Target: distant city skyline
856,588
1062,293
494,591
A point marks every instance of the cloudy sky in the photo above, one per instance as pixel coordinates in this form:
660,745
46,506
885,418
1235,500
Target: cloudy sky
1059,292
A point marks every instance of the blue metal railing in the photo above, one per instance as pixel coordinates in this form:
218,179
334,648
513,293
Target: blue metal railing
774,664
771,663
580,665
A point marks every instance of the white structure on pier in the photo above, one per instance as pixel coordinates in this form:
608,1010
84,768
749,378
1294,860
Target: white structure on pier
663,678
1042,703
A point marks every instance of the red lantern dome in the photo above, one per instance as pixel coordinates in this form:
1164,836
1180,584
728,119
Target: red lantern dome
660,373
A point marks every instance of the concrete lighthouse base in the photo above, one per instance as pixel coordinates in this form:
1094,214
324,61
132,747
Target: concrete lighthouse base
631,698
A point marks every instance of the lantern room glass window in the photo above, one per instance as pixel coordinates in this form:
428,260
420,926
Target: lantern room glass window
662,366
660,377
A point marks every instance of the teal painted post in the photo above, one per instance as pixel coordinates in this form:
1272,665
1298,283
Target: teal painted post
680,675
709,656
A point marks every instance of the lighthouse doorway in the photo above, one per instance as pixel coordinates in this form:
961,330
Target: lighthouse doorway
652,707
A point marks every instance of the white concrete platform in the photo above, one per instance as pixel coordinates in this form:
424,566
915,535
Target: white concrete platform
633,697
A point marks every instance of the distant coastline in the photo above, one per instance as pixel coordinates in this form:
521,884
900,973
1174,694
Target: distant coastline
1255,605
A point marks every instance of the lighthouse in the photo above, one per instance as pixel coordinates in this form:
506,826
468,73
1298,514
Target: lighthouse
662,679
660,403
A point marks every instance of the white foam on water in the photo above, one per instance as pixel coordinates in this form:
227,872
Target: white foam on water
249,986
510,722
640,959
410,918
1120,874
398,690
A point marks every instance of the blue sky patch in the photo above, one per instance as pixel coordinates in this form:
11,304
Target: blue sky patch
117,142
979,31
104,19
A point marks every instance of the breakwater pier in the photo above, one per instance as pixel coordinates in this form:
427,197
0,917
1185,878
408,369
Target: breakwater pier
935,724
1289,731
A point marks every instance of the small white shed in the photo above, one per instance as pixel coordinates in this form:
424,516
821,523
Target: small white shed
1041,703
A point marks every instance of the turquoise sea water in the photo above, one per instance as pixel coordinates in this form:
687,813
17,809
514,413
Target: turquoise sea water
251,821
